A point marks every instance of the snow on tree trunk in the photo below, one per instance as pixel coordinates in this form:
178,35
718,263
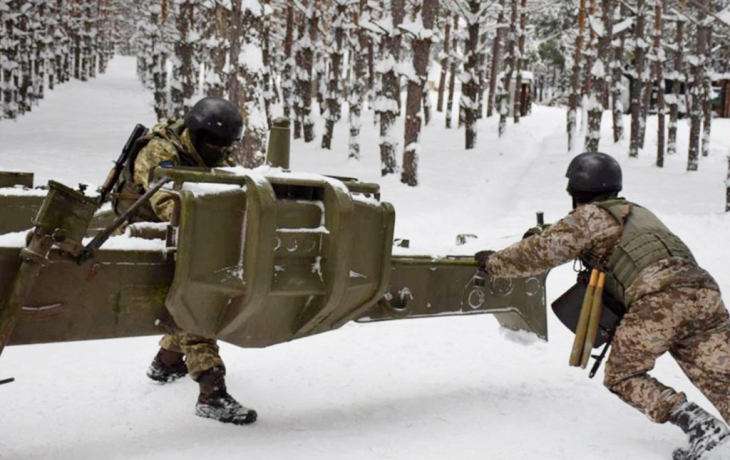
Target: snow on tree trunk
333,94
356,96
216,78
445,60
85,31
659,58
305,72
520,59
421,34
496,54
9,58
617,88
599,75
453,69
637,86
388,101
676,77
697,64
505,99
287,82
24,53
247,80
184,67
38,38
706,29
575,77
267,60
469,78
158,15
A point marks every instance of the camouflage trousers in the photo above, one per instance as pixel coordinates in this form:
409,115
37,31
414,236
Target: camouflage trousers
200,353
693,326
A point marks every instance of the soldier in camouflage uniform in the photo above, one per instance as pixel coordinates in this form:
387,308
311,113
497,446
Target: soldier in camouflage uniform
672,304
203,139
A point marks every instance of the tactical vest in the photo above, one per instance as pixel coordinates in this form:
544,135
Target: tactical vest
644,241
127,191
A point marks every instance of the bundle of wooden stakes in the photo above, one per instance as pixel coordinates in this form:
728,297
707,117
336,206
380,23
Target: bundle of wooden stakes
589,320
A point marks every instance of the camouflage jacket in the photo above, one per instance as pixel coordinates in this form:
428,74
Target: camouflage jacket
168,145
589,228
168,151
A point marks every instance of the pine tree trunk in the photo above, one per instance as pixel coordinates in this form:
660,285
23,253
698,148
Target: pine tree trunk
470,78
388,101
659,79
505,99
575,77
217,79
599,76
287,82
159,58
250,99
696,110
520,58
10,55
445,62
336,54
306,76
453,58
26,67
496,54
356,96
677,77
268,61
706,29
421,53
637,87
183,68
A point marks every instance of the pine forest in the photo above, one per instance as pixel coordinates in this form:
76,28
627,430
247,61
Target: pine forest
373,61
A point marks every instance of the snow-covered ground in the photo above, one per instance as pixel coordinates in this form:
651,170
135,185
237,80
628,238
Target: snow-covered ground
427,389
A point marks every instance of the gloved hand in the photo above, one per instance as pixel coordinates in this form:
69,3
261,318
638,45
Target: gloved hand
482,257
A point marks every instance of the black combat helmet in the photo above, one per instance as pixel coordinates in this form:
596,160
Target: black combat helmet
594,172
592,175
214,124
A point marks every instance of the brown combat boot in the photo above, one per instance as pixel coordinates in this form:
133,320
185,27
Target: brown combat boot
167,366
215,402
704,431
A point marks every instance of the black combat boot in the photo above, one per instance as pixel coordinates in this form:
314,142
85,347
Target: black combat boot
704,431
215,402
167,366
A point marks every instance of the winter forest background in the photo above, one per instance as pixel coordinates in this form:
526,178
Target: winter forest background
345,57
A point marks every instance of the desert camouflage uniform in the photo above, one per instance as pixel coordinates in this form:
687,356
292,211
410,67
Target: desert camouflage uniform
200,353
673,305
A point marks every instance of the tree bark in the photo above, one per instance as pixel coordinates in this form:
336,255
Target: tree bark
445,62
356,96
333,94
421,46
677,77
496,54
696,110
637,86
520,58
506,98
452,70
599,76
389,100
575,77
659,79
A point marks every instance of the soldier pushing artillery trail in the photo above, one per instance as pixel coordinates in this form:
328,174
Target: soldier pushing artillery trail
672,305
203,139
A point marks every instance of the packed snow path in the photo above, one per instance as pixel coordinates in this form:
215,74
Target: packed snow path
431,389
